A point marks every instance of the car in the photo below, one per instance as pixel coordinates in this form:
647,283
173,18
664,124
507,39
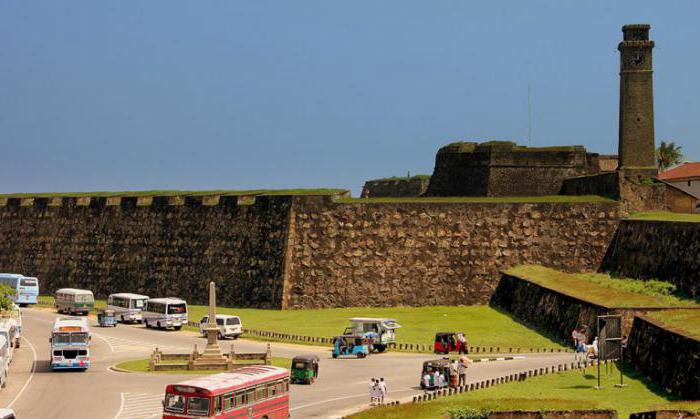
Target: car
229,326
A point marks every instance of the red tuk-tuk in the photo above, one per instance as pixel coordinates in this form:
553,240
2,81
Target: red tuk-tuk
446,342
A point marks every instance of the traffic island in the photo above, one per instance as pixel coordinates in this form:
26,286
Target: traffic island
143,366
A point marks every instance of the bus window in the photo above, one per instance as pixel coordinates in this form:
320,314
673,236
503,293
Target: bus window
250,396
174,403
79,338
260,393
61,338
138,303
240,399
272,389
228,401
28,282
177,308
197,406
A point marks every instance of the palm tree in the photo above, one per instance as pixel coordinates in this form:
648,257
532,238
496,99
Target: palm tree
668,154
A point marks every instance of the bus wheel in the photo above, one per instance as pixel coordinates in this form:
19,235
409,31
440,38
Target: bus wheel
148,325
177,327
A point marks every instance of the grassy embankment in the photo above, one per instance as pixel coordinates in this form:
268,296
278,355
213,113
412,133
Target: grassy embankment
141,365
483,325
684,321
560,391
604,290
665,216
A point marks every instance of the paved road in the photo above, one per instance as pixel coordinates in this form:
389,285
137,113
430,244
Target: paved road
36,392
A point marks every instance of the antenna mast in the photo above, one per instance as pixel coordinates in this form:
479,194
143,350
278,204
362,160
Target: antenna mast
529,114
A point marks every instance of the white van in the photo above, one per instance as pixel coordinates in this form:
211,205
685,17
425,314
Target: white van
127,307
13,332
4,361
165,313
229,326
74,301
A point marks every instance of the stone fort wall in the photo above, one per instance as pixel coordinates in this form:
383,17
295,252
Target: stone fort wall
370,254
158,247
295,251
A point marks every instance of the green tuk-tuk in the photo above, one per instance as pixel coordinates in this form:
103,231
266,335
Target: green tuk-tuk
304,369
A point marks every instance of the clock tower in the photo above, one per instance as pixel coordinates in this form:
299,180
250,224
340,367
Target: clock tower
636,147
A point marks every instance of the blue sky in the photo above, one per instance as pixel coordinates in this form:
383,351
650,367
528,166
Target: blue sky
166,94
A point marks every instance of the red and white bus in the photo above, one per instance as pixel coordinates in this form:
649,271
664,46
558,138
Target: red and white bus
259,391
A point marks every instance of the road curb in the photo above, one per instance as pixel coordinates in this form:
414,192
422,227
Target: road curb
117,369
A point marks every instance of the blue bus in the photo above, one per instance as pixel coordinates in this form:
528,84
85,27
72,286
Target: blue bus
26,288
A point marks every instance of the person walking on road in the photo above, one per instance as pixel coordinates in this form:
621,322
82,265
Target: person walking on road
383,389
372,391
462,370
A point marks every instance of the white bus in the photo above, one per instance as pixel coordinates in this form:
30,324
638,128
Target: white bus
70,344
127,307
74,301
26,288
165,313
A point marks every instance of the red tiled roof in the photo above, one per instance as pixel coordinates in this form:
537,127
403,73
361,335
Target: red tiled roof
683,171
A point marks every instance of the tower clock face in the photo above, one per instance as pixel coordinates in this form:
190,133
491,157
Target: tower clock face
636,58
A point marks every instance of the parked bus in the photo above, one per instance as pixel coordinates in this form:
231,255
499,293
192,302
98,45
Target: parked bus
26,288
259,391
74,301
127,307
70,344
165,313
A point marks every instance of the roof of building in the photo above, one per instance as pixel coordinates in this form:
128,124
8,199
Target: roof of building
684,171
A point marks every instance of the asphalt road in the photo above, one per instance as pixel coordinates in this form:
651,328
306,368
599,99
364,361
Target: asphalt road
34,391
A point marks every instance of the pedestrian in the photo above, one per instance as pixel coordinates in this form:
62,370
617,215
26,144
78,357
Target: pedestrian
382,388
426,380
462,343
441,380
462,370
372,390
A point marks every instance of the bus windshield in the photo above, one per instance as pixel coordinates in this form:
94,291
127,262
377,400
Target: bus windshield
79,338
138,303
197,406
174,403
61,338
177,309
28,282
84,298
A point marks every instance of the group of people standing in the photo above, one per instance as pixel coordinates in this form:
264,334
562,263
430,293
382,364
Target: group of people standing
580,338
377,391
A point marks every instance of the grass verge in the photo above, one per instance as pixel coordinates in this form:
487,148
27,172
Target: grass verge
560,391
665,216
601,289
141,365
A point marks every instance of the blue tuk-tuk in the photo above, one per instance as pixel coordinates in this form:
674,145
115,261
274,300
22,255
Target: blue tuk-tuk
106,318
350,345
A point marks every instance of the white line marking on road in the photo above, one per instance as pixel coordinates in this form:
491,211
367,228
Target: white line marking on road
140,406
111,348
304,406
121,406
31,374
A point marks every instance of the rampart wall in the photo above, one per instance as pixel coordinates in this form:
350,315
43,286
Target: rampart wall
669,357
396,187
370,254
667,251
295,251
163,246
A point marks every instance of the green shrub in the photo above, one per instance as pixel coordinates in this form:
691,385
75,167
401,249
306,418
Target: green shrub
467,413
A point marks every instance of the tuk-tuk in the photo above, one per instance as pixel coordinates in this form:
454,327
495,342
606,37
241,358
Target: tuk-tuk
428,379
106,318
304,369
446,342
379,331
350,345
